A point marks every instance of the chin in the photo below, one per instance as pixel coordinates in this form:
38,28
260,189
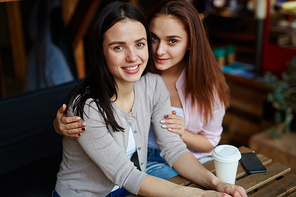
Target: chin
134,79
161,67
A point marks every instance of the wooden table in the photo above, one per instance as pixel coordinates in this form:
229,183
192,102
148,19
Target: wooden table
281,150
274,182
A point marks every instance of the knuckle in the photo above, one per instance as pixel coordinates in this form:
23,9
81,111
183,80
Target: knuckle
60,127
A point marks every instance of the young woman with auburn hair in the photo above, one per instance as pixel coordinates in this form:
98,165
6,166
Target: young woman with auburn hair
199,94
198,91
118,100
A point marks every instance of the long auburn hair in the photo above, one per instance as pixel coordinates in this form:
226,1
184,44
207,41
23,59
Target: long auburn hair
204,79
99,84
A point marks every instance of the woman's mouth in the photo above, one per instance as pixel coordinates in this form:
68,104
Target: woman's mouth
132,69
160,60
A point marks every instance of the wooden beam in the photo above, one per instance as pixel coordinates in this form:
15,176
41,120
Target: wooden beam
2,1
2,80
80,59
68,8
135,2
16,38
81,19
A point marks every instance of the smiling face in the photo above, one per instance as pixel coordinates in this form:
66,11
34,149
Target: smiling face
125,50
169,42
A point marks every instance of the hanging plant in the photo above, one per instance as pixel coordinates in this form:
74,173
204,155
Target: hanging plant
282,96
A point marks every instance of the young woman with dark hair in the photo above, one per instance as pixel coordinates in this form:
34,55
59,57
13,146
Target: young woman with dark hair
98,162
198,91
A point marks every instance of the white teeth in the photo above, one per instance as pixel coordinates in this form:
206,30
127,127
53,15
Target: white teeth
132,68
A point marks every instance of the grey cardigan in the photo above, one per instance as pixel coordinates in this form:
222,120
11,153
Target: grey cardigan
96,161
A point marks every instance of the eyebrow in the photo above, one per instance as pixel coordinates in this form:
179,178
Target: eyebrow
120,42
174,36
171,36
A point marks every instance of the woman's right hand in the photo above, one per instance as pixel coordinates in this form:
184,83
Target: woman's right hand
68,126
212,193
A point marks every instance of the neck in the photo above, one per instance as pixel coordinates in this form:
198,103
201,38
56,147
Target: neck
125,96
124,90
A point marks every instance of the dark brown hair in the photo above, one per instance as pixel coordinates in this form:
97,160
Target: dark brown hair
99,85
205,81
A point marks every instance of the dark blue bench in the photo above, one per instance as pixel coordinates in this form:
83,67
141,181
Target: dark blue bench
30,149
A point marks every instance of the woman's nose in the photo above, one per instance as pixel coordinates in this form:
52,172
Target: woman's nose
160,50
131,55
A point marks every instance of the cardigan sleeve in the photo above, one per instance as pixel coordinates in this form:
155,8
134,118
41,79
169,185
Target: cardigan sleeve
171,145
101,147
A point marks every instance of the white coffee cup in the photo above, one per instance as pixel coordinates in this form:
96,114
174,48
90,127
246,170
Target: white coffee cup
226,159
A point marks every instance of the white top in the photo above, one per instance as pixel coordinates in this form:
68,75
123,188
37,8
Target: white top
131,149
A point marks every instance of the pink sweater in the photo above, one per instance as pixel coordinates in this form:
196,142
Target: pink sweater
195,121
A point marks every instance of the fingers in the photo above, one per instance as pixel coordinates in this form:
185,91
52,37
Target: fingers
65,125
74,132
240,192
236,191
173,116
175,128
63,119
174,123
62,110
67,120
68,126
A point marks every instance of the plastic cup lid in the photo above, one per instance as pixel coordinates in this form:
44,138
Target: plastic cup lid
226,153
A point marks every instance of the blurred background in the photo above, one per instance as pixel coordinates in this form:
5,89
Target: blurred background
43,45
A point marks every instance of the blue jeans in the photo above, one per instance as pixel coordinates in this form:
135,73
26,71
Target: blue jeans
121,192
157,166
55,194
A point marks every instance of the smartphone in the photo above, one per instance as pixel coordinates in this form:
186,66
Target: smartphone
251,163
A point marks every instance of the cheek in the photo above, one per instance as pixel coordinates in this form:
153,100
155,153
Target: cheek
113,61
115,58
179,52
146,55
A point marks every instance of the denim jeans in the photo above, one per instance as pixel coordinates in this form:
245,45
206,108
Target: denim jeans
55,194
157,166
121,192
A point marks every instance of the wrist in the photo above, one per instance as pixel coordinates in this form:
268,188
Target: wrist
214,183
182,135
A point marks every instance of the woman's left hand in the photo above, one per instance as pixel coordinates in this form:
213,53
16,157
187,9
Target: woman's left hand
233,190
174,123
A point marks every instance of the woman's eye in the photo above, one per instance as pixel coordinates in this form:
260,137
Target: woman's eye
153,38
117,48
140,45
173,41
